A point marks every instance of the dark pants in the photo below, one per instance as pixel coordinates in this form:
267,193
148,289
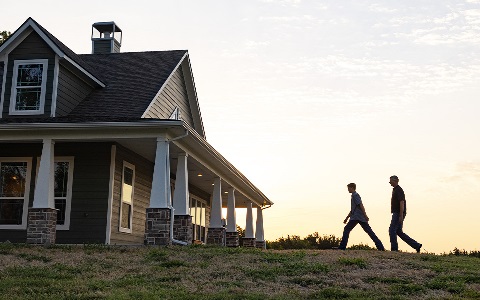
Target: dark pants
396,229
350,225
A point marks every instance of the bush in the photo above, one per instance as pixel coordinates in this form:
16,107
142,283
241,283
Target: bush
312,241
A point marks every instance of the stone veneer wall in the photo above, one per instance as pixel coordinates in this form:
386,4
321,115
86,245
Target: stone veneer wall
249,242
216,236
42,226
261,244
232,239
182,228
157,227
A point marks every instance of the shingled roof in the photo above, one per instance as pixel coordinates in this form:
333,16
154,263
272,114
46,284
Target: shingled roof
68,52
132,81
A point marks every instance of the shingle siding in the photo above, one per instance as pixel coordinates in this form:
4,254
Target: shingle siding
173,95
32,47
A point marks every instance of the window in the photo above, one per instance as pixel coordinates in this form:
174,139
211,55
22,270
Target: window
197,211
14,190
63,191
28,87
63,180
126,203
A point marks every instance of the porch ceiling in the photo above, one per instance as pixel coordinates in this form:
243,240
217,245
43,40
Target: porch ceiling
146,147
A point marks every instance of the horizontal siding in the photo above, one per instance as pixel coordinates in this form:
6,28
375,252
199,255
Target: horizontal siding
71,91
32,47
174,94
100,46
90,189
141,196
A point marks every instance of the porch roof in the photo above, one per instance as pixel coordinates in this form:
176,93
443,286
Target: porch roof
140,136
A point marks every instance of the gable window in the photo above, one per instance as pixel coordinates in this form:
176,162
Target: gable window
14,190
126,202
28,87
63,180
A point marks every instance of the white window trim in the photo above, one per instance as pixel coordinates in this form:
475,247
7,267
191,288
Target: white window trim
68,207
26,198
120,228
13,96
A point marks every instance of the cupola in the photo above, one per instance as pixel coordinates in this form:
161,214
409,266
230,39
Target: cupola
106,38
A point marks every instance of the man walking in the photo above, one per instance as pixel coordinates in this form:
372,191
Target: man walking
399,211
357,215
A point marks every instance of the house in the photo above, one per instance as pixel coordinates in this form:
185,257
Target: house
109,147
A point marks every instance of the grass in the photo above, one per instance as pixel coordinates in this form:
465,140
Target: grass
108,272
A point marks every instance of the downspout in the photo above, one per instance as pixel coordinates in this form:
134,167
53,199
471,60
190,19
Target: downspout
174,241
172,210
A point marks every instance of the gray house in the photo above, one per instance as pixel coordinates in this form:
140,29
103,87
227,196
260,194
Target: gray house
109,147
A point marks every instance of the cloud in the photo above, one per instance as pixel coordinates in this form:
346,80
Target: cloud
458,27
465,171
381,9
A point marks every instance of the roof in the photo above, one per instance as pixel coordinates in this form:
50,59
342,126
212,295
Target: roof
130,76
60,48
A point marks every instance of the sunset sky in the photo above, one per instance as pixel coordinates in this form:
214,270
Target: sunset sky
304,97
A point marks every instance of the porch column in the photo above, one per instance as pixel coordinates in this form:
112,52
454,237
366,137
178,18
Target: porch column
249,239
158,221
182,221
232,233
216,231
259,238
42,216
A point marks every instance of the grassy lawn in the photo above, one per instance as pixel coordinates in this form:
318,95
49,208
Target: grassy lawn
199,272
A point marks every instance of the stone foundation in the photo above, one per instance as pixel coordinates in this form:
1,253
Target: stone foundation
249,242
42,226
261,244
157,226
232,239
216,236
182,228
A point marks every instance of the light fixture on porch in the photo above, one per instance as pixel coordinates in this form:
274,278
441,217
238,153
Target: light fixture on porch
226,192
199,174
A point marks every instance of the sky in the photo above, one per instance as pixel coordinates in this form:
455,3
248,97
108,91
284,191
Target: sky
304,97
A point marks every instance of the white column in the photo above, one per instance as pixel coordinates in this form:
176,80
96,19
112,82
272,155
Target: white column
160,195
231,218
259,225
216,213
44,187
180,197
249,224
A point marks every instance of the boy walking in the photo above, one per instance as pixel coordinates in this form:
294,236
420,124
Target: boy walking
357,215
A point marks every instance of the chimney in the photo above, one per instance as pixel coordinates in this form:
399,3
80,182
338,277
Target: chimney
106,38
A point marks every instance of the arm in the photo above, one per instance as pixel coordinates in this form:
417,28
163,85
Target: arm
346,219
362,208
402,210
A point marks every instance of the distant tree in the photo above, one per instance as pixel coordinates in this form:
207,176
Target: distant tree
4,35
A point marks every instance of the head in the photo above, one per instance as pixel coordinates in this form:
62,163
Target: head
351,187
394,180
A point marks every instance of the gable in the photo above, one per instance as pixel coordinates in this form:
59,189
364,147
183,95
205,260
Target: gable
31,48
172,96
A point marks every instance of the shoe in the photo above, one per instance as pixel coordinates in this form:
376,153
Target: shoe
418,249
